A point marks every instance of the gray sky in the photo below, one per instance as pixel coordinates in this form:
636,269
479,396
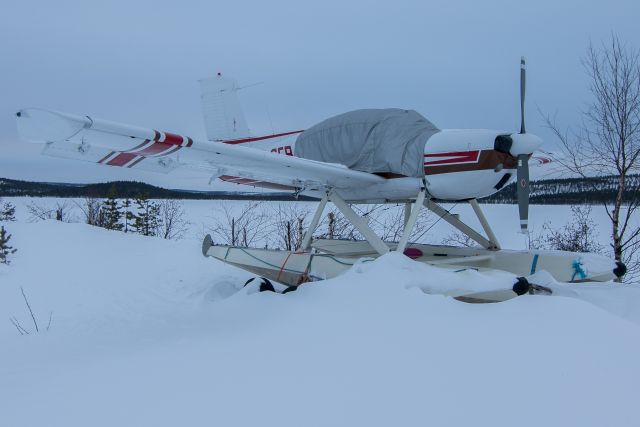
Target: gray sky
456,62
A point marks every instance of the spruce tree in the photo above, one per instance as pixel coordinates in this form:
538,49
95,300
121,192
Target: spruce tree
112,211
5,249
155,219
128,215
8,212
101,219
138,224
147,220
140,217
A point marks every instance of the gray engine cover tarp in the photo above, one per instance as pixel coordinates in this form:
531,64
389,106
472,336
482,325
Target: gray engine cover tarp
387,140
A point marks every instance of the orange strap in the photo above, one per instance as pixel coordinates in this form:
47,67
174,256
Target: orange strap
283,264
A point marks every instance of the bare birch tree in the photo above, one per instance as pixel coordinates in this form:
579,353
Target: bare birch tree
244,227
608,142
90,207
173,224
387,220
61,212
289,223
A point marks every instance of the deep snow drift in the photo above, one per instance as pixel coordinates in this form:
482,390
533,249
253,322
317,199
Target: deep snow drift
146,331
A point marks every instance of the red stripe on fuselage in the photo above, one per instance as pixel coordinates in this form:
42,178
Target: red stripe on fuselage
487,159
274,186
452,157
256,183
260,138
237,180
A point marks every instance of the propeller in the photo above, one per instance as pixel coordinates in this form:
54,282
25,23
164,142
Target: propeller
523,158
523,191
520,145
523,85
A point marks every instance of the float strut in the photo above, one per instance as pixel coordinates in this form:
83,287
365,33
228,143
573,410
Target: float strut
306,242
411,221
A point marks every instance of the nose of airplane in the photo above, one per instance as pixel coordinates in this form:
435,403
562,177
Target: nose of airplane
524,143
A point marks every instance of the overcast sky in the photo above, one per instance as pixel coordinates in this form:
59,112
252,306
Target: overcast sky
456,62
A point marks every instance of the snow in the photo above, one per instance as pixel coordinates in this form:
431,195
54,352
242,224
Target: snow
147,331
622,302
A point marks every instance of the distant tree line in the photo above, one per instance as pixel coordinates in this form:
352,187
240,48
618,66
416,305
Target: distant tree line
127,189
571,191
564,191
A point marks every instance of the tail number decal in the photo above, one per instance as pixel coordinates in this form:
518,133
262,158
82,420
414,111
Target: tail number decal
286,149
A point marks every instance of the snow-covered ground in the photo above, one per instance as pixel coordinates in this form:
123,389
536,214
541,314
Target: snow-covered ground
146,331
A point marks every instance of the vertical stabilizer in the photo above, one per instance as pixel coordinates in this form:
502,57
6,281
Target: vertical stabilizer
223,116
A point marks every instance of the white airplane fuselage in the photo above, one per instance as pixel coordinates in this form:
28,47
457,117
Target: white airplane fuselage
458,165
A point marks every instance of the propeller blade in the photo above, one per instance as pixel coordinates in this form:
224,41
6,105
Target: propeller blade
523,84
523,191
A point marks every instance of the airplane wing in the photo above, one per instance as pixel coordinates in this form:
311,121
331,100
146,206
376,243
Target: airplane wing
119,145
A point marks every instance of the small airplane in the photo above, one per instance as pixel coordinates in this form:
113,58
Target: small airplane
363,156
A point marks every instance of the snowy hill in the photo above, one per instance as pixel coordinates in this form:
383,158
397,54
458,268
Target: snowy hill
131,189
146,331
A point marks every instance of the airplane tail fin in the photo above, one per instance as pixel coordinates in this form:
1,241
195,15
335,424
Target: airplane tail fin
223,116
